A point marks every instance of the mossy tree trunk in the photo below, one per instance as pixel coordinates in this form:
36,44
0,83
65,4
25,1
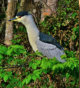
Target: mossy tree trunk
22,5
48,7
9,25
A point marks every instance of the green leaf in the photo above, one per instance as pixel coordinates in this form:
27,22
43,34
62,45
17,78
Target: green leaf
39,71
67,75
38,53
73,83
34,64
3,49
5,78
63,56
74,14
35,76
1,56
58,67
45,64
28,79
76,29
9,52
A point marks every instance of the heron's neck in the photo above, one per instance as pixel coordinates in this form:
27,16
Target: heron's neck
33,33
32,29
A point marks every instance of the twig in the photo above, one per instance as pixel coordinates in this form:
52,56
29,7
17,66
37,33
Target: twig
3,5
12,66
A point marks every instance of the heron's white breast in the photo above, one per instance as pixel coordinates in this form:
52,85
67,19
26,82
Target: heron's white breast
32,40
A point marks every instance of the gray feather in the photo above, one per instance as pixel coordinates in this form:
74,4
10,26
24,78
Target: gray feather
50,50
49,39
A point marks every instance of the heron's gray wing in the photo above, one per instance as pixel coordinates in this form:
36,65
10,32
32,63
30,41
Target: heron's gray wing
49,50
49,39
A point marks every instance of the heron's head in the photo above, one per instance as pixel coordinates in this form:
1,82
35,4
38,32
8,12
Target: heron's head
22,17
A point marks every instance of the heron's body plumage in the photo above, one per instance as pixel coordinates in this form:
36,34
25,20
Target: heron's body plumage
44,43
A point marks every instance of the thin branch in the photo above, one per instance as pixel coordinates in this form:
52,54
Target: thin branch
12,66
3,5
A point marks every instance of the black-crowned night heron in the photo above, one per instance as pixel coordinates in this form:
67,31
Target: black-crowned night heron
44,43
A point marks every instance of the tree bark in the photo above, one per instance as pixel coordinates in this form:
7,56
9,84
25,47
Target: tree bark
9,25
22,5
49,7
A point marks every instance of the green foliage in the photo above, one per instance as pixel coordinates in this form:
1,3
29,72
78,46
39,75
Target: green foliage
46,66
21,28
16,39
11,56
75,33
64,26
36,68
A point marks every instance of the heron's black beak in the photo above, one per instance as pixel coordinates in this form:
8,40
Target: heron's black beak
13,19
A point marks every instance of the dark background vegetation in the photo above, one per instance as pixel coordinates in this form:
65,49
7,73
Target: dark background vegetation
32,70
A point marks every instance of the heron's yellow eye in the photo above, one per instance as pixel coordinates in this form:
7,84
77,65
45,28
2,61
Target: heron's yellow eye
18,16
